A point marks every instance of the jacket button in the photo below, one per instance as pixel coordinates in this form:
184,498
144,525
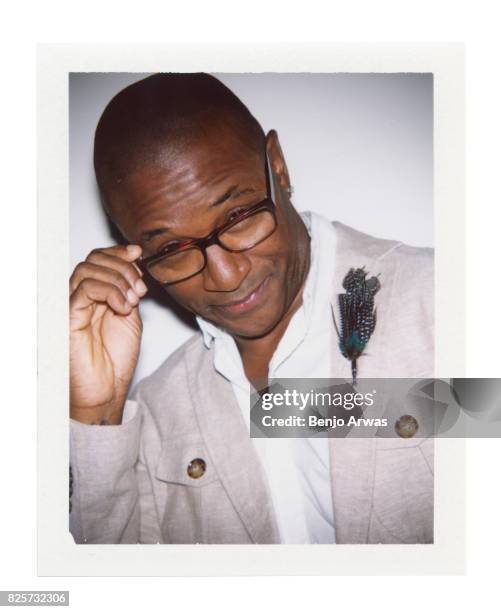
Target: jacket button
406,426
196,468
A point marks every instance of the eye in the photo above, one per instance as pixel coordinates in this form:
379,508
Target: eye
170,246
236,212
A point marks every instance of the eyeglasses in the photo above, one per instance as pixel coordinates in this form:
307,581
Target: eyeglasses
180,261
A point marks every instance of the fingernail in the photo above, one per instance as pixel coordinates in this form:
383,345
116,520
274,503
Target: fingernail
140,287
133,249
138,268
132,297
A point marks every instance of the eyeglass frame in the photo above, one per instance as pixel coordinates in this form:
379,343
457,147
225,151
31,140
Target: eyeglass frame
213,237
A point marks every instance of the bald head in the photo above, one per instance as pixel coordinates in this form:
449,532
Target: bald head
156,120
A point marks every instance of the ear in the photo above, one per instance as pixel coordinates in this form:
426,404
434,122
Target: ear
277,160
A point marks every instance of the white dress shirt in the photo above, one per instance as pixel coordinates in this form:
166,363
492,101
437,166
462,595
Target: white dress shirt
297,469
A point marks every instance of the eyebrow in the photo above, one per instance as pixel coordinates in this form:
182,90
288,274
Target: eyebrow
232,192
149,234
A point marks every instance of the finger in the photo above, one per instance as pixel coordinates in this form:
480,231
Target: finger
91,291
86,269
134,251
127,252
127,269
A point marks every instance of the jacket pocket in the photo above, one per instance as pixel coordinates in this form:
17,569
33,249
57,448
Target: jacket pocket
403,500
184,460
195,510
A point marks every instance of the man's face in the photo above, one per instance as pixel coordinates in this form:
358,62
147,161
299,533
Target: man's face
245,293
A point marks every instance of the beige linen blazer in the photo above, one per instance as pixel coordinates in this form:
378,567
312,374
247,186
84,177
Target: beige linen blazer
130,481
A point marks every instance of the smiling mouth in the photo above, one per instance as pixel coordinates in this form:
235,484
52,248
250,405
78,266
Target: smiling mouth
247,303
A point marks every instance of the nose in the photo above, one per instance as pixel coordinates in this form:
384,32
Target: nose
225,271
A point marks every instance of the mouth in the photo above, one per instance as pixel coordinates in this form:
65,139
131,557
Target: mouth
249,302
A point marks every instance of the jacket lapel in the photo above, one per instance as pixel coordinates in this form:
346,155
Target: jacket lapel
356,250
352,460
231,450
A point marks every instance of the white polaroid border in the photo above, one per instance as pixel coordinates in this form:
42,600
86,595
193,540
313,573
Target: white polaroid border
58,555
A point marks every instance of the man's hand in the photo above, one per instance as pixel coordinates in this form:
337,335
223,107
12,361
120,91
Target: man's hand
105,332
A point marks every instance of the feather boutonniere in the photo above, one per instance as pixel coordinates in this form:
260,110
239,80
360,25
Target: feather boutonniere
357,315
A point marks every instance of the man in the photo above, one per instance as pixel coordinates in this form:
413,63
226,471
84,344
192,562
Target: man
202,197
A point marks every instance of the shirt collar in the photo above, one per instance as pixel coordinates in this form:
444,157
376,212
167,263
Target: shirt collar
209,331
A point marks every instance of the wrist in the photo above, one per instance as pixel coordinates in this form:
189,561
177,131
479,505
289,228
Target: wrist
99,415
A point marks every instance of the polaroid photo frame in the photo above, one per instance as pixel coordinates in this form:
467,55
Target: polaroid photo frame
63,67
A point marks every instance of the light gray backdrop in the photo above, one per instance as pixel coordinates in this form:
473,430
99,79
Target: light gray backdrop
359,148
